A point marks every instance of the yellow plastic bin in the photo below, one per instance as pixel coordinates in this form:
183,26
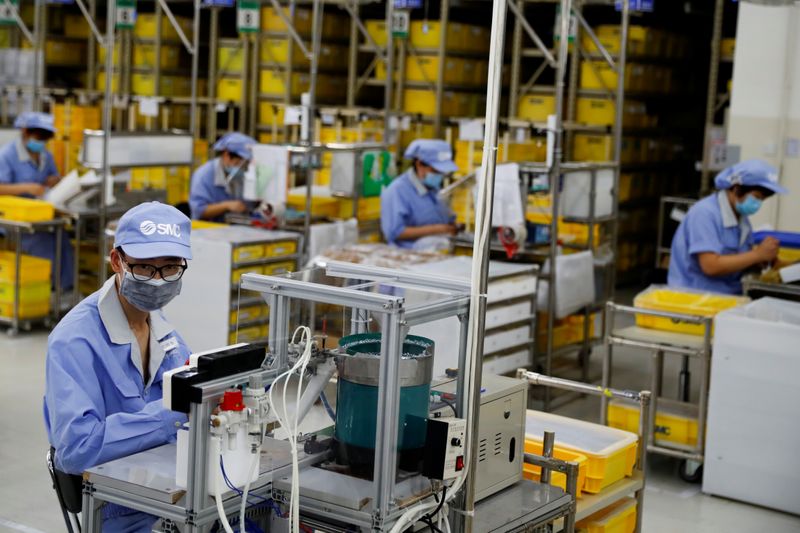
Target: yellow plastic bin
248,313
248,253
26,310
676,423
661,298
278,269
25,209
557,479
236,275
33,269
619,517
31,293
280,249
610,452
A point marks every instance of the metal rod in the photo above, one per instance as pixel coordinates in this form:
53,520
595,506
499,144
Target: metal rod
548,443
193,126
641,453
593,36
534,378
189,48
157,66
21,23
516,59
387,96
290,28
352,63
211,87
512,5
109,75
38,75
355,19
618,123
481,248
711,97
655,386
90,20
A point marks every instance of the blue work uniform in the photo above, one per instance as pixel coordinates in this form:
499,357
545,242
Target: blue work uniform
709,226
408,203
209,186
97,407
16,166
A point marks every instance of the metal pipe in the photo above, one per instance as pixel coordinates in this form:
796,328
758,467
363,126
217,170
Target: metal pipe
178,29
315,386
157,56
213,41
593,36
195,66
290,28
441,53
387,96
711,96
90,20
618,121
20,23
352,63
512,5
548,443
655,385
109,71
608,358
359,26
38,30
516,59
480,257
641,453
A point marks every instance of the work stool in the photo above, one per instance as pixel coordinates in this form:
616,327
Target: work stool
69,490
659,344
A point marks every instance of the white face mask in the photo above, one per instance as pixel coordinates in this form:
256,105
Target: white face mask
148,295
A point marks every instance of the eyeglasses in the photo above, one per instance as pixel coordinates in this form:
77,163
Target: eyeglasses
145,272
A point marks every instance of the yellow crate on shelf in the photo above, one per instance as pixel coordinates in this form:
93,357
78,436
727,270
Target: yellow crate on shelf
29,293
426,69
536,107
685,301
619,517
419,101
147,25
377,30
675,422
596,111
277,269
321,206
610,453
33,269
76,26
5,37
248,253
727,47
788,255
66,53
145,84
272,22
236,274
641,40
205,224
274,83
368,208
249,334
599,75
276,51
230,89
230,58
27,310
557,479
269,112
589,147
250,312
426,34
280,249
25,209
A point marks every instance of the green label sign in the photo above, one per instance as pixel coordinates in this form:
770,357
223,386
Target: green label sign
7,12
400,24
248,16
126,14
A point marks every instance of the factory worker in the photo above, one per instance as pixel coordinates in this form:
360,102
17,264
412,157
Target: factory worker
107,356
713,245
412,214
217,186
27,169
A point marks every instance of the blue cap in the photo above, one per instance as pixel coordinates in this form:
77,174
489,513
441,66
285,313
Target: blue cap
153,229
31,120
236,143
434,153
754,173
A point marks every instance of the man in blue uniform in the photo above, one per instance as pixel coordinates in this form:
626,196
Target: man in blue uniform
106,358
217,186
412,215
27,169
713,245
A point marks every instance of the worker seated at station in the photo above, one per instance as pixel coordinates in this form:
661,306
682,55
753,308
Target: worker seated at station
28,169
218,186
412,214
107,356
713,245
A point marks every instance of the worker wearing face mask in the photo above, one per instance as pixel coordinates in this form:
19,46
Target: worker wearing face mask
412,214
107,356
217,186
27,169
713,245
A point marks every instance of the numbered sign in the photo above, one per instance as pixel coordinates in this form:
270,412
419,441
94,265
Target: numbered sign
219,3
400,24
407,4
573,26
248,16
637,5
126,14
7,13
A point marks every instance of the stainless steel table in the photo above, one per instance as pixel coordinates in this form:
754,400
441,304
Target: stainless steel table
16,229
521,507
758,289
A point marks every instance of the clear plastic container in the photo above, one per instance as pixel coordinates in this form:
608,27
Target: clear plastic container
611,453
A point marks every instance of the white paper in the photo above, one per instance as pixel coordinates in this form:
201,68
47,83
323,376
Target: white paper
470,130
68,187
551,139
677,214
292,116
328,119
791,273
507,210
405,123
220,108
148,107
267,176
394,123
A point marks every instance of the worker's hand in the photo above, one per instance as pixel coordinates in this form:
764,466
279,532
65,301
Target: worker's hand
767,251
34,189
447,229
52,181
236,206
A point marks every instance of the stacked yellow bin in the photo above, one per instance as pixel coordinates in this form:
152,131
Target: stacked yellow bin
70,122
34,288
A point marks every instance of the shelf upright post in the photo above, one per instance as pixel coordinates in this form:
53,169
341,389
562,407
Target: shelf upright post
516,61
444,18
572,91
618,118
711,99
193,119
107,110
213,42
387,95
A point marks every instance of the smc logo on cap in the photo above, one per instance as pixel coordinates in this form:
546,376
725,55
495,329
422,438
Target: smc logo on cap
148,227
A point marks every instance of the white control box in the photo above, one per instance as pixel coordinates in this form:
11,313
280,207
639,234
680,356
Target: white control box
444,448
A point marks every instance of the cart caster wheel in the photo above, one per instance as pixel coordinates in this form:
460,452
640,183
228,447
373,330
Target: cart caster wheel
690,471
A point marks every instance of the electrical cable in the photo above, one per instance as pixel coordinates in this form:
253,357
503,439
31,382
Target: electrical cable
223,518
246,491
327,406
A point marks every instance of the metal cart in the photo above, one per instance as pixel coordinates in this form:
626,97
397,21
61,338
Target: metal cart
15,230
758,289
592,503
660,343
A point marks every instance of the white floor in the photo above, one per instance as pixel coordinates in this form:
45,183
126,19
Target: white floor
27,503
